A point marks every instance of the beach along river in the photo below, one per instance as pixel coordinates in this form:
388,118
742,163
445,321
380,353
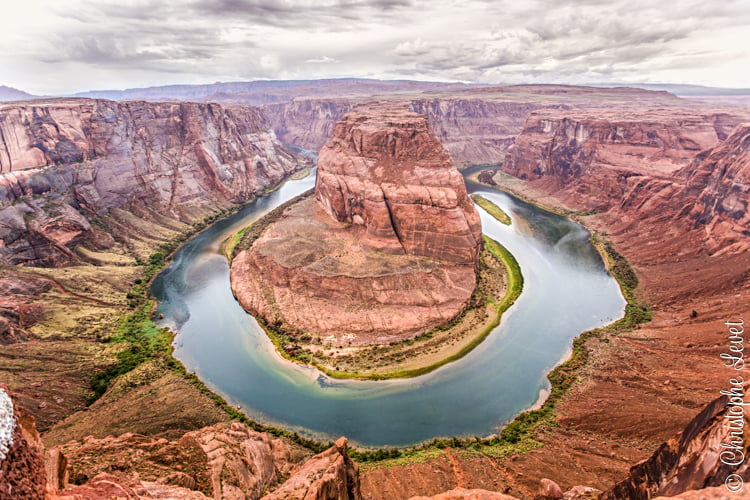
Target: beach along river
566,291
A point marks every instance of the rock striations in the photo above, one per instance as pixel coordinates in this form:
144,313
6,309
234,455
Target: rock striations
388,174
711,195
709,452
593,158
720,180
67,162
228,461
386,249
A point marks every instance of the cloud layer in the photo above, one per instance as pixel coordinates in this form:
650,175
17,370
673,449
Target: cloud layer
52,47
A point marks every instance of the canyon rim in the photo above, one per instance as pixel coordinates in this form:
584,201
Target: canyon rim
392,289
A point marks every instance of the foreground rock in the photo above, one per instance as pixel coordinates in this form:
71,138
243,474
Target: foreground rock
220,462
223,461
22,473
216,462
330,475
464,494
387,249
706,453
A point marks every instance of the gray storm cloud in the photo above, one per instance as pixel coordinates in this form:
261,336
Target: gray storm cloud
91,44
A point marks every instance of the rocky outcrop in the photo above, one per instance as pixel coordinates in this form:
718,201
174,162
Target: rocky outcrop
221,461
217,462
549,490
108,486
703,455
594,158
387,249
22,473
17,308
331,475
385,172
717,192
465,494
65,162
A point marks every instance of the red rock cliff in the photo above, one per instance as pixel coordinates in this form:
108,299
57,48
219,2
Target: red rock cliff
717,192
593,156
387,172
711,195
693,460
476,130
473,130
98,155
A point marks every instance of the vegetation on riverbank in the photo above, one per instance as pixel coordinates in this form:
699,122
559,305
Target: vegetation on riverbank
499,284
141,338
516,437
492,209
637,311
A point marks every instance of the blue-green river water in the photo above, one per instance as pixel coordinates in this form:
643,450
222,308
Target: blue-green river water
566,292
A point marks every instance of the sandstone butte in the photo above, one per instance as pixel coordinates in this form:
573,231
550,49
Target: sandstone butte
386,249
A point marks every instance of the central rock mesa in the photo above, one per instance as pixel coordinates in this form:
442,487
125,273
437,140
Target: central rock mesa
387,248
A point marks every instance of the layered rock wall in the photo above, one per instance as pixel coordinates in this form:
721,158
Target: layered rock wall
720,183
593,158
476,131
711,195
693,461
66,161
387,172
307,123
473,130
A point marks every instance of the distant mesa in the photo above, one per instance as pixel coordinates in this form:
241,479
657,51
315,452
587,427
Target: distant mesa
11,94
387,247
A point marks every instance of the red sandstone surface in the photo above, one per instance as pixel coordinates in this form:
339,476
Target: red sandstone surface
65,162
597,156
387,249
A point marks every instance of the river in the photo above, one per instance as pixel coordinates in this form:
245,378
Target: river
566,291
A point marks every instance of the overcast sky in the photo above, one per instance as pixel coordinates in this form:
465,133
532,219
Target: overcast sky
56,47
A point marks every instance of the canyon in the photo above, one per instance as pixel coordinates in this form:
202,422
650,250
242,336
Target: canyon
91,185
98,182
